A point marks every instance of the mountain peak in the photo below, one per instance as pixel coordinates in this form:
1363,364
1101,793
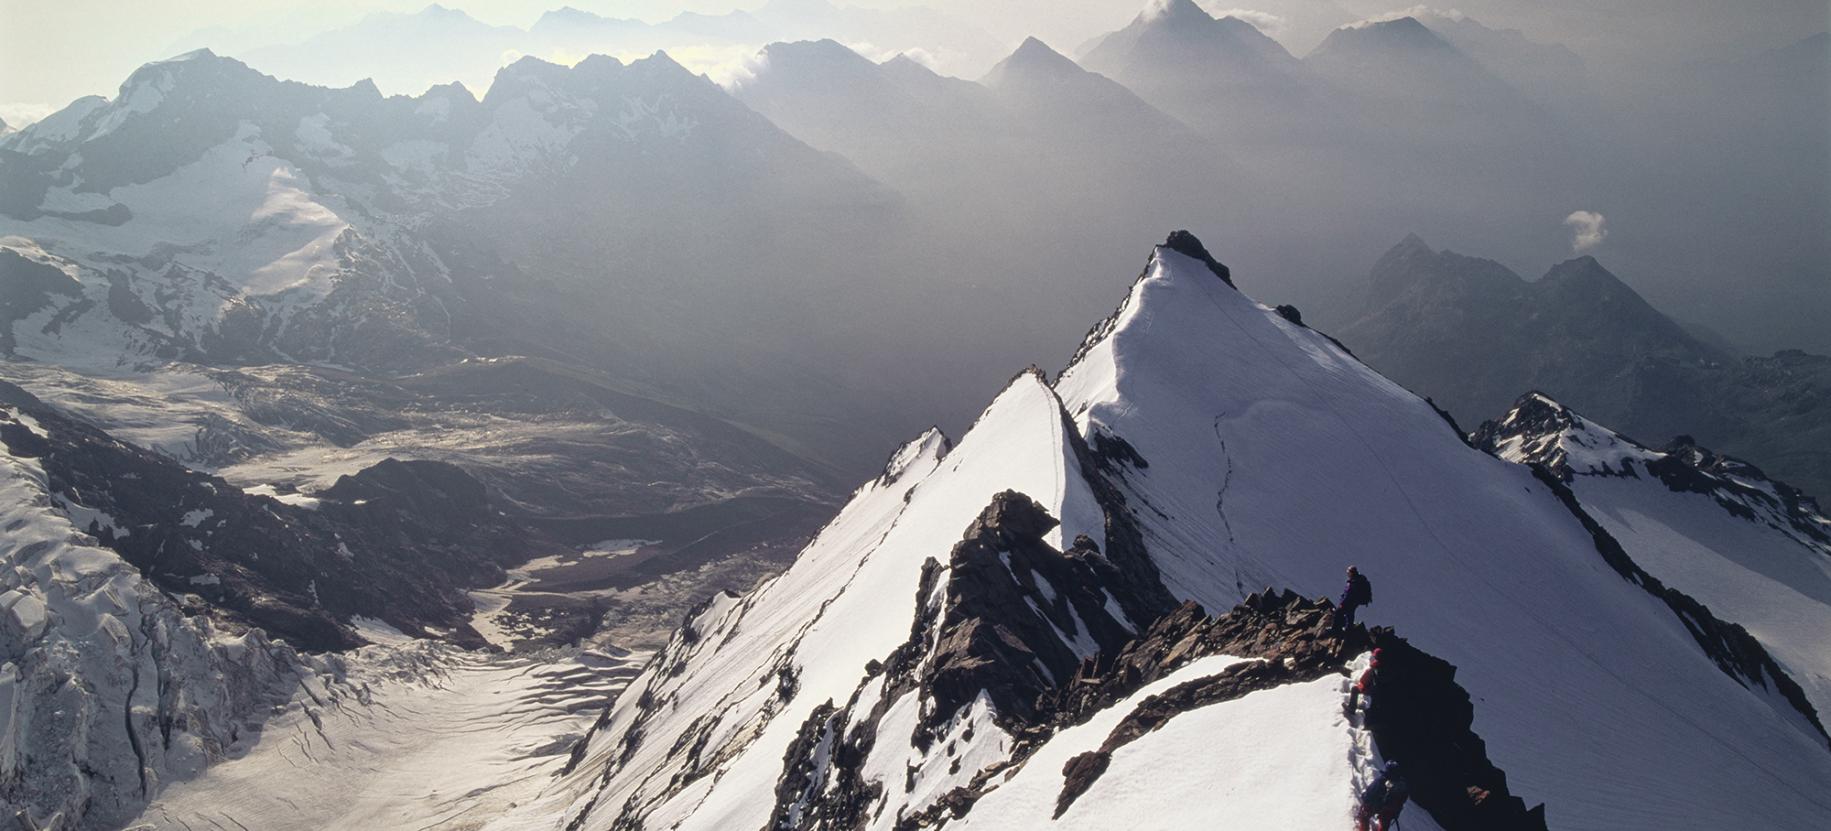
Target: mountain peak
661,61
564,13
1035,62
1413,262
1173,12
440,12
1034,46
902,63
1401,263
455,90
1585,273
193,55
1185,243
1406,33
825,49
1175,40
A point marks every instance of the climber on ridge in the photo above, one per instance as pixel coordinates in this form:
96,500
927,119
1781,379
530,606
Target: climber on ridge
1357,593
1361,696
1382,800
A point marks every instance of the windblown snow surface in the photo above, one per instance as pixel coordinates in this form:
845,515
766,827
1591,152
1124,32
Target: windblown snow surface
1266,455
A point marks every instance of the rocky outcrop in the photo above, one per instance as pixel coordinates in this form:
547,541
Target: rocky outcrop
1288,633
1424,722
1283,628
1006,621
1739,487
1185,243
1542,432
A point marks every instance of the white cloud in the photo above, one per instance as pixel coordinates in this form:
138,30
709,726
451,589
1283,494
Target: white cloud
1263,21
1420,12
1156,9
19,114
1587,230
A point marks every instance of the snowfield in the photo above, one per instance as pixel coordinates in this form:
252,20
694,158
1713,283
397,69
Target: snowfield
438,738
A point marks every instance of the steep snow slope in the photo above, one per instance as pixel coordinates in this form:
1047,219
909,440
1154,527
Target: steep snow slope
744,675
1274,457
1222,447
1754,550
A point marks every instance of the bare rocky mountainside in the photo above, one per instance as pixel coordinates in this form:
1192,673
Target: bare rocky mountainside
1473,335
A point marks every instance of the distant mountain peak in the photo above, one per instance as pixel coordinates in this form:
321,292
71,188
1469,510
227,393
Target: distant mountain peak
903,63
1173,11
1391,33
825,58
195,54
1174,41
571,12
1034,52
436,10
1033,60
455,89
798,6
1584,271
661,61
1411,255
826,49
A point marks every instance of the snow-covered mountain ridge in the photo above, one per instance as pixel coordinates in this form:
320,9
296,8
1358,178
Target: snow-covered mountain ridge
1715,528
1200,444
210,212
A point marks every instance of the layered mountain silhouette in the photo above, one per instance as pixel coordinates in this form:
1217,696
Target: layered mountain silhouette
1471,333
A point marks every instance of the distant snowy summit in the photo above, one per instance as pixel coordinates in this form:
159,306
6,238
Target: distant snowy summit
212,213
1017,630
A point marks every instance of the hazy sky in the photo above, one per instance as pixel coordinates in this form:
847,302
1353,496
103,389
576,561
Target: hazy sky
53,52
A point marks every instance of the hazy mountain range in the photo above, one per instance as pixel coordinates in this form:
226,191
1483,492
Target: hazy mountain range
1470,333
359,447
